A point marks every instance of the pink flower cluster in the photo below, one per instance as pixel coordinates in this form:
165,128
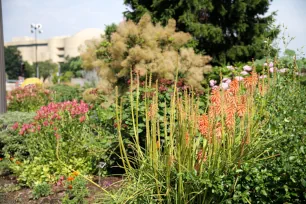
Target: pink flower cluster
27,128
29,92
48,115
52,111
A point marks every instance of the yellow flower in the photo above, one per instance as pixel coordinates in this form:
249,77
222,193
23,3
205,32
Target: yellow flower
30,81
75,173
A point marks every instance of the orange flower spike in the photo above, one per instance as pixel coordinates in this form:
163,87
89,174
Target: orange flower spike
203,124
187,138
18,162
70,187
215,96
70,178
200,155
248,81
234,87
254,78
1,159
230,121
241,109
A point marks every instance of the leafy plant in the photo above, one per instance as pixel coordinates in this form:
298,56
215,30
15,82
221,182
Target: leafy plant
62,92
76,191
47,68
72,64
4,167
281,179
67,76
11,143
65,124
41,190
183,145
28,99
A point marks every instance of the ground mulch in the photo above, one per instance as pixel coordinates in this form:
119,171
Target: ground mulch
11,193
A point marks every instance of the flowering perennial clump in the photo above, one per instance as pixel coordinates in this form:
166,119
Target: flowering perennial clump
228,104
48,115
29,98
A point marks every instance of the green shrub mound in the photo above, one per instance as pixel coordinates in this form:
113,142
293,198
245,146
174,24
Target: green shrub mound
62,92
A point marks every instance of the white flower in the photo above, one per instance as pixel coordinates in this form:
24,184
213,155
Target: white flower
272,69
212,82
271,64
265,64
230,67
283,70
224,86
263,76
247,68
244,73
239,78
226,80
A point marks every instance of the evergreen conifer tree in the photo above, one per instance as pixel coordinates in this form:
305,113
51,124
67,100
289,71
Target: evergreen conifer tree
227,30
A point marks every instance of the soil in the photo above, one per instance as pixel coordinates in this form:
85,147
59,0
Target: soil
12,193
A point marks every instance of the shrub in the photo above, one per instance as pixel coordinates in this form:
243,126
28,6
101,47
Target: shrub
28,99
67,76
280,179
11,143
185,148
4,167
76,191
61,133
62,92
234,153
90,95
145,48
41,190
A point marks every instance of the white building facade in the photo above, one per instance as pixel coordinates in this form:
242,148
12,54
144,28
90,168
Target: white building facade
56,48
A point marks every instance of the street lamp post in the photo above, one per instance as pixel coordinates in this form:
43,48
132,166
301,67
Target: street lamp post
2,68
36,28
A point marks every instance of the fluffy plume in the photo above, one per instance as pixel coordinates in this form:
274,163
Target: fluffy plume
146,48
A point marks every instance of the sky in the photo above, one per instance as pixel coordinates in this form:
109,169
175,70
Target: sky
67,17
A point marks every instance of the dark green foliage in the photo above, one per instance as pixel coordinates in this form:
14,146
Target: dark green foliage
11,143
4,168
67,76
281,178
47,68
13,61
62,92
226,30
41,190
29,70
72,64
109,29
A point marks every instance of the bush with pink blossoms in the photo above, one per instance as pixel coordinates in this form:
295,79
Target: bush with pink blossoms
66,124
28,99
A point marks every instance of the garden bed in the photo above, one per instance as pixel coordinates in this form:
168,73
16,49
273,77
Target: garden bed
11,192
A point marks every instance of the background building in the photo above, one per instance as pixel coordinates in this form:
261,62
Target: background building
56,48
